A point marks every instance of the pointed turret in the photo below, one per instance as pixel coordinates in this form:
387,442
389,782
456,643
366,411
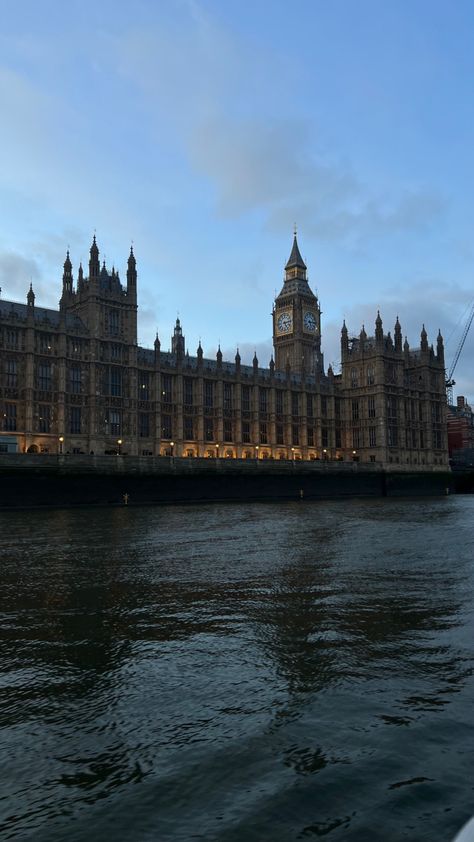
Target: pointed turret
67,276
362,334
295,258
157,347
295,267
423,339
94,264
177,340
272,365
440,348
199,354
237,361
131,273
398,336
30,298
344,340
219,356
80,278
255,361
378,329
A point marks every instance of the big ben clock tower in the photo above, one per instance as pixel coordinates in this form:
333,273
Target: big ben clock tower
297,320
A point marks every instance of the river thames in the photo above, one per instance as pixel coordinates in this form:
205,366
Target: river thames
238,672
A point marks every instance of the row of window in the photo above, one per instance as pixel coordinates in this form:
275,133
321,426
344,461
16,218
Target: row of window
42,419
113,385
113,426
359,377
210,431
414,439
413,409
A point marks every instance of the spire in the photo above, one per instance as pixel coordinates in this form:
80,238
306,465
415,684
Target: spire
272,364
398,336
440,347
157,351
199,353
255,361
378,328
131,272
67,274
237,361
295,258
344,340
30,298
295,267
423,339
177,340
80,277
94,264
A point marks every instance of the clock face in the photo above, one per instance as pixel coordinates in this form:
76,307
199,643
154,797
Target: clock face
284,323
309,321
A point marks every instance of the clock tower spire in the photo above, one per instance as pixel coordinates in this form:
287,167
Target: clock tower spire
297,319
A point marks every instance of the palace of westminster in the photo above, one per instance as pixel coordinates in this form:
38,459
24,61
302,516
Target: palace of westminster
74,380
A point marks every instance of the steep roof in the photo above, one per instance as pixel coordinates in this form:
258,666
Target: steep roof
295,258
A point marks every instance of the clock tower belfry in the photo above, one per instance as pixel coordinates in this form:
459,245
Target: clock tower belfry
297,320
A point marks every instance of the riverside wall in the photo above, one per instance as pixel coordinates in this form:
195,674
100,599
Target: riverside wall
33,480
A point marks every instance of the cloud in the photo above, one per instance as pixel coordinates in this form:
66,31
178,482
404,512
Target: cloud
16,274
230,111
273,166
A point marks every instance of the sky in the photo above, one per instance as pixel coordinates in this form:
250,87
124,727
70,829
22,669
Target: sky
204,130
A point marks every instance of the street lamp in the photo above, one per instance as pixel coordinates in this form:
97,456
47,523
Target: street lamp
325,453
119,445
217,451
61,440
293,453
256,452
172,446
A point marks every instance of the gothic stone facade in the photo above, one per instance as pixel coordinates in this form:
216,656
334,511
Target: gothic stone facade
74,380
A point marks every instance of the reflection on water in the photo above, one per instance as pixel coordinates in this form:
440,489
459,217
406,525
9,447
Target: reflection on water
264,672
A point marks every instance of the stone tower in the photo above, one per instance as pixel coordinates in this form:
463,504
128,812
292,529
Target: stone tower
107,308
297,320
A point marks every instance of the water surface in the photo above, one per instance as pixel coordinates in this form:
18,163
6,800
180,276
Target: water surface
238,672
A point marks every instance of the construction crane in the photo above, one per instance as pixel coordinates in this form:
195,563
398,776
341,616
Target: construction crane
449,379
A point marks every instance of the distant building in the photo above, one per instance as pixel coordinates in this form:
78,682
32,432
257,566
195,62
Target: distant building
74,380
461,433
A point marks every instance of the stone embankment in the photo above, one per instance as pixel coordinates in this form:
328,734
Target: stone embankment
68,480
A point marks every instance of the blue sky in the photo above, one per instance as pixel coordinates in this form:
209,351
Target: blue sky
204,130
